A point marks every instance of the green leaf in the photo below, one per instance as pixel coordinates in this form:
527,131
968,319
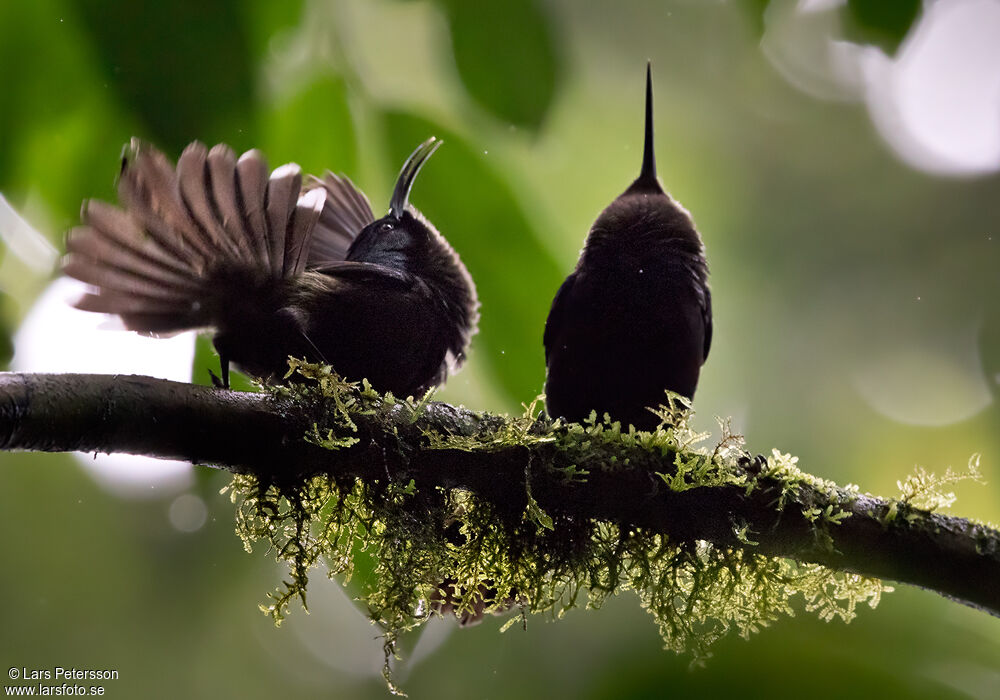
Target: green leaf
472,205
884,23
542,519
60,131
755,10
312,128
184,67
507,57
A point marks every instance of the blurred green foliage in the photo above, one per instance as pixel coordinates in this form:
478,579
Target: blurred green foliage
884,23
756,11
320,113
828,254
149,54
507,56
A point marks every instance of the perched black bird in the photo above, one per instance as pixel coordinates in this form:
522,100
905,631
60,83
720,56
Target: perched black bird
635,317
277,269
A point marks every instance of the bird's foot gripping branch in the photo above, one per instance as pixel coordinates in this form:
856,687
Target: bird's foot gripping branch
478,514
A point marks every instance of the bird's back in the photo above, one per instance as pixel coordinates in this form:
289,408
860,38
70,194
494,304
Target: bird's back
387,328
618,350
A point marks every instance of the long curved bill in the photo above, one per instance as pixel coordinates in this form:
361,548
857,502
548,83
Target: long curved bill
401,195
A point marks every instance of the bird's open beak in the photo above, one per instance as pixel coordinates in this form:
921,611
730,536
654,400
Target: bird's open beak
408,174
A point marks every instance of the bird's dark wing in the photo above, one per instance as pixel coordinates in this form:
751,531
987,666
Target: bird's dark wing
370,321
345,213
706,314
155,262
364,272
557,316
214,197
215,209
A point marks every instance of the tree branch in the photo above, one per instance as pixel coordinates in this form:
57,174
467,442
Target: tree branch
264,434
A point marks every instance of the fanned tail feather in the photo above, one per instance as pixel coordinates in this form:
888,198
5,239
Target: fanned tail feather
149,190
282,192
306,214
195,182
251,177
346,213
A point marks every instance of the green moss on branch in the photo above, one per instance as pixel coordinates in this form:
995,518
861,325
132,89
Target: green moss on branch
520,510
498,512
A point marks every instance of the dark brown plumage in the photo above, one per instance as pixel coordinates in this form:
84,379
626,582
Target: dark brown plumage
635,317
277,268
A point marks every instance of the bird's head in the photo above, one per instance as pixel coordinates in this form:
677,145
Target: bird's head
403,238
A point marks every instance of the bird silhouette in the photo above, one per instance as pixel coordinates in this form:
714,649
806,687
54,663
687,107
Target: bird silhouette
634,319
277,268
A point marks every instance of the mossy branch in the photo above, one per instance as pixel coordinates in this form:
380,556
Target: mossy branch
637,481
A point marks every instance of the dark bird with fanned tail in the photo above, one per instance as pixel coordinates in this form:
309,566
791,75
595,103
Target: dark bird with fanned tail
634,319
277,267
